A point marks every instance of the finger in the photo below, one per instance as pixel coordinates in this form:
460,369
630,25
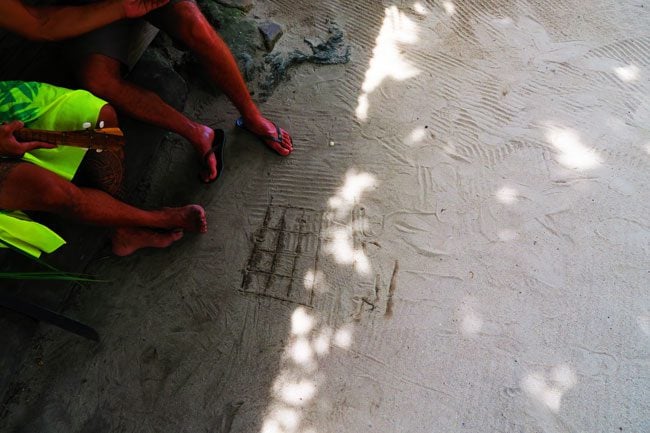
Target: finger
14,125
33,145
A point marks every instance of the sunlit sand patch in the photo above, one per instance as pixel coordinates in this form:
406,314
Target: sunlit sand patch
449,7
507,195
340,246
343,337
302,353
296,387
322,341
471,323
507,235
301,322
354,186
296,393
315,281
339,242
282,420
387,61
361,262
627,73
573,153
549,393
644,324
420,9
504,22
416,136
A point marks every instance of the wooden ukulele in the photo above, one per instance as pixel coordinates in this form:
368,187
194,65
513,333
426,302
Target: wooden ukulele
97,139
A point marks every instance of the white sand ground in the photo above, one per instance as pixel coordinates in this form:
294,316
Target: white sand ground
471,254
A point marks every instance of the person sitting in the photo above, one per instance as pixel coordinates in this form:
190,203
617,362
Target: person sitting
102,49
70,181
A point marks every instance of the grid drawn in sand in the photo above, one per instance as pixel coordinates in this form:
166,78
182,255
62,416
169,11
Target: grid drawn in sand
285,248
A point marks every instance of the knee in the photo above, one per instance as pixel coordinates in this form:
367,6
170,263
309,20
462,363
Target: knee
108,115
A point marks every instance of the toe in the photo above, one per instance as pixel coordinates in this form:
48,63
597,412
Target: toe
279,148
210,171
286,146
287,142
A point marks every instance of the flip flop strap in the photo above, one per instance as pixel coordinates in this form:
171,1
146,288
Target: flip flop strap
277,139
240,123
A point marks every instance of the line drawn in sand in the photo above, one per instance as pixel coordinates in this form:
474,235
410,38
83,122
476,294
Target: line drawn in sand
286,245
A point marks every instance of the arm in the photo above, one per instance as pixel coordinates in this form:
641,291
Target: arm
60,22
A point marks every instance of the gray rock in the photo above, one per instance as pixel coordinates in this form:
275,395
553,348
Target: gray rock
332,51
271,32
244,5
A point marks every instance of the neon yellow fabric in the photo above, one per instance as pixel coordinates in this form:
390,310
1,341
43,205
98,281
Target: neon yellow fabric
43,106
18,230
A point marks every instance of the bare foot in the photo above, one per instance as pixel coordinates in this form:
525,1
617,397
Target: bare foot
267,131
190,218
126,241
202,142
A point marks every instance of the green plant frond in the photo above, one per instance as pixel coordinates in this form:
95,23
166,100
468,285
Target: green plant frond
53,274
35,259
45,276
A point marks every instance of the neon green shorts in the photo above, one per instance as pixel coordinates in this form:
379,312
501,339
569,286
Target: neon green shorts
43,106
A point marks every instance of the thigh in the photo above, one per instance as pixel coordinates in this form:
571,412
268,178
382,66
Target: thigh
28,187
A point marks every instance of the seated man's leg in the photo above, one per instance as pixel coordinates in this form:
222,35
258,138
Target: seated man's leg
28,187
103,170
102,75
184,21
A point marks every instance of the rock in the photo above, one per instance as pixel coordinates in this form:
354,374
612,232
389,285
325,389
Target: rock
246,65
271,32
155,72
331,51
243,5
239,32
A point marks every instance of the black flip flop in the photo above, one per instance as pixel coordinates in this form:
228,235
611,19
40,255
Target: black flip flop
218,144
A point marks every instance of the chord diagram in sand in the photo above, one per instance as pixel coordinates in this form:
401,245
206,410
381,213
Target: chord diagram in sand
285,248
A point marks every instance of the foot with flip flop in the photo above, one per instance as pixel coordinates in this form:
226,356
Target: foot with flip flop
269,133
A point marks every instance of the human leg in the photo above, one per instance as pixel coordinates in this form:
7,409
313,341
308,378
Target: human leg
102,76
185,22
31,188
103,170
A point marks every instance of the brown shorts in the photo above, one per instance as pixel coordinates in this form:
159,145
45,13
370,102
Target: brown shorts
114,40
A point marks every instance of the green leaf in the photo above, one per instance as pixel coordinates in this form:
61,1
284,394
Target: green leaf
53,274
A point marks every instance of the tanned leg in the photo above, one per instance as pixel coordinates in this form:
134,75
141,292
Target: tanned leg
185,22
28,187
102,76
103,170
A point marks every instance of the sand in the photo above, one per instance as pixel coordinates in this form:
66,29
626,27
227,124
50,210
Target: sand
459,242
